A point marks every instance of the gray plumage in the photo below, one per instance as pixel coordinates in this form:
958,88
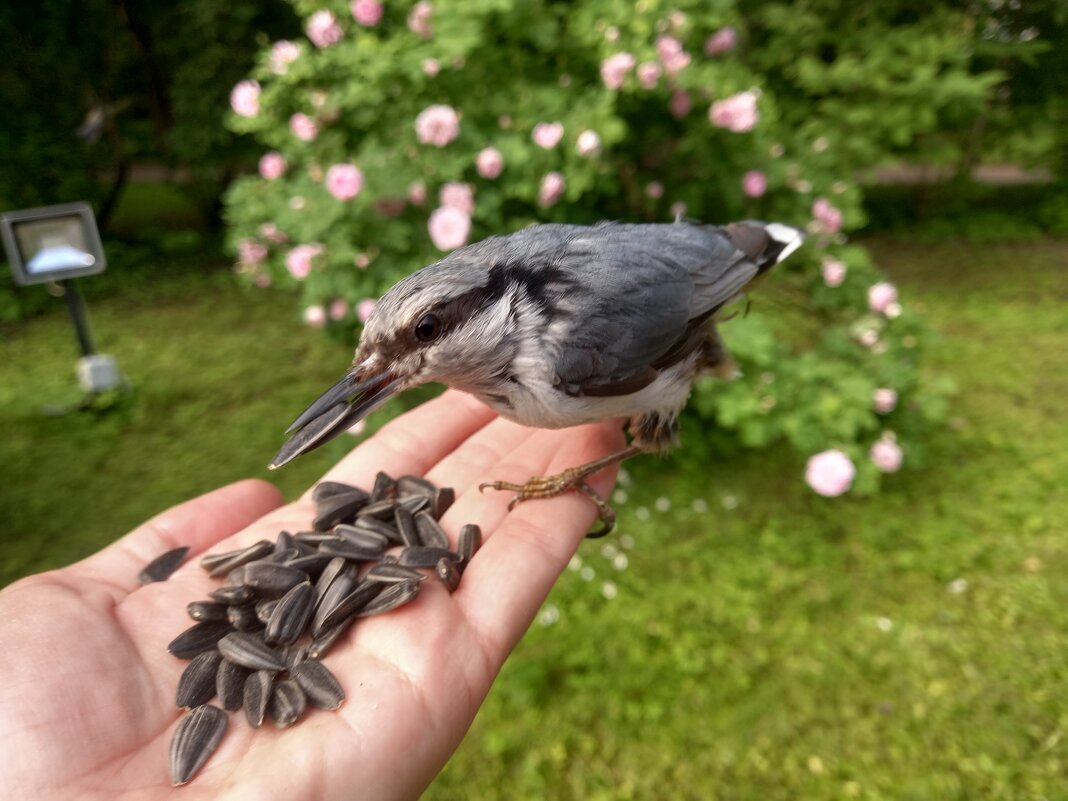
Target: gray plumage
557,325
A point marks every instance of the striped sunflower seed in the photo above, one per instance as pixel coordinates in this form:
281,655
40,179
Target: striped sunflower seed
313,538
197,684
206,610
338,589
430,531
378,510
469,542
349,550
218,564
291,615
230,684
449,573
264,607
322,644
319,684
257,694
361,536
199,638
386,528
249,650
313,563
442,500
269,578
425,556
160,568
243,616
350,605
336,567
232,594
415,485
384,487
327,489
195,739
405,522
287,703
393,596
414,503
392,573
338,509
293,655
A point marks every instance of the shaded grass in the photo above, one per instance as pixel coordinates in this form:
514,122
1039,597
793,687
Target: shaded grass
776,646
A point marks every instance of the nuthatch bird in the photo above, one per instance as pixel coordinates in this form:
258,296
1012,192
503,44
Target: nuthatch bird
555,326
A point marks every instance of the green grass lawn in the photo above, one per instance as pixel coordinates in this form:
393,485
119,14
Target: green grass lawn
776,645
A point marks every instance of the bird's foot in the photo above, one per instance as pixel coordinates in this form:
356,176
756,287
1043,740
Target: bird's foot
573,478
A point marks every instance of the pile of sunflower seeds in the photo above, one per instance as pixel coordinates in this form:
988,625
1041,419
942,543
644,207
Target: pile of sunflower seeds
258,640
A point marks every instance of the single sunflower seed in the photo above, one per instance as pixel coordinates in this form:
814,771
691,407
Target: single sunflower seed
287,703
199,638
334,568
322,644
219,563
338,509
264,607
425,556
293,655
269,578
415,485
469,542
257,694
405,522
243,616
195,739
326,489
350,605
392,573
414,503
379,510
449,573
385,528
291,615
230,684
249,650
231,594
160,568
206,610
442,500
384,487
197,684
338,589
430,531
313,563
393,596
361,536
313,538
319,684
351,551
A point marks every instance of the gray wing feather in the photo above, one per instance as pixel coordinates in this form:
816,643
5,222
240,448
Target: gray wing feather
636,290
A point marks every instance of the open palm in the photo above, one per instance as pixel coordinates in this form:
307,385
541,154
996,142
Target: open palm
87,685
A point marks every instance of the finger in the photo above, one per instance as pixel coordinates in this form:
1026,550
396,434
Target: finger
512,574
199,524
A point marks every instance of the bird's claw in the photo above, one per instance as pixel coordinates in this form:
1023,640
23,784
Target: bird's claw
550,487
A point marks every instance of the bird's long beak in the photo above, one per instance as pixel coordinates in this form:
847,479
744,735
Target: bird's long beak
339,408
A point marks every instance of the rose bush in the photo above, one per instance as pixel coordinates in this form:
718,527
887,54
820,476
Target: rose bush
400,131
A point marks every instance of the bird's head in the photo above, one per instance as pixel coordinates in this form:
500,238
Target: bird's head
452,322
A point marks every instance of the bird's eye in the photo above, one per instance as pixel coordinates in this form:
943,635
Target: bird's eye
428,328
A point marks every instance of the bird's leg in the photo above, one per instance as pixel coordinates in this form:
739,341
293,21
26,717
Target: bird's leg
571,478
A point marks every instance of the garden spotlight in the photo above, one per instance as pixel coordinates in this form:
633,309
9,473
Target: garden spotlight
54,245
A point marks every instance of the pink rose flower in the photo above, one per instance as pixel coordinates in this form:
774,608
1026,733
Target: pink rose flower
737,113
671,54
323,29
338,309
869,338
880,296
588,144
548,134
431,67
283,54
828,218
680,104
344,181
362,261
303,127
270,232
886,455
366,12
830,473
262,280
437,125
419,20
458,196
449,227
648,74
417,193
654,189
364,309
299,260
722,41
615,68
489,162
245,98
551,190
834,272
250,252
272,165
884,400
315,316
754,183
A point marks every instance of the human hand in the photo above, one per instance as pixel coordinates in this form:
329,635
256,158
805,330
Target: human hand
87,685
